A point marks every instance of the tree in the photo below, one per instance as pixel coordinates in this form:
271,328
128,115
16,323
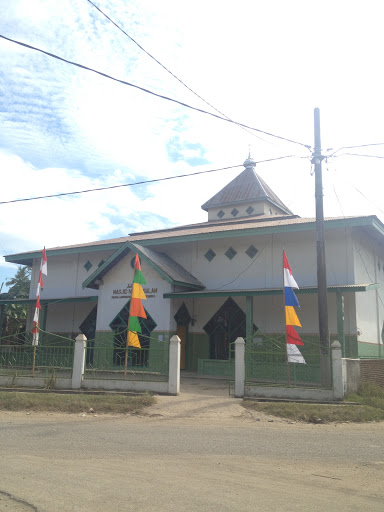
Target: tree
19,284
15,315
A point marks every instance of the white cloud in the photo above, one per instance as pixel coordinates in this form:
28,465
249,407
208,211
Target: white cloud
262,63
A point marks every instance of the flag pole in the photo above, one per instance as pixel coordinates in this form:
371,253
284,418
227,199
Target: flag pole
34,355
136,310
126,348
285,324
35,330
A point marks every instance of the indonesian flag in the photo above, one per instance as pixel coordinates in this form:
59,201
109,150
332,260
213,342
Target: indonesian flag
291,318
43,264
43,270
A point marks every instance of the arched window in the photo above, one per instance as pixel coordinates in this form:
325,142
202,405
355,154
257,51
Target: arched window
119,326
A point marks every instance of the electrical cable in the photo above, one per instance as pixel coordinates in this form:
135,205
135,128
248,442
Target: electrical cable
142,182
357,154
353,147
168,70
167,98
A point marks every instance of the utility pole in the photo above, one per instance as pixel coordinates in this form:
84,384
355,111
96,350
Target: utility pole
325,361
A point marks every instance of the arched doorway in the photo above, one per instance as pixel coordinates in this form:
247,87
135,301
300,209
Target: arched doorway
183,319
119,325
227,324
88,328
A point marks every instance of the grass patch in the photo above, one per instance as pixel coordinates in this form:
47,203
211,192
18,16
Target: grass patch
371,408
76,403
369,394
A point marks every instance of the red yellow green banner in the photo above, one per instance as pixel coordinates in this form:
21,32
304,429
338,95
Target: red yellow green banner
136,309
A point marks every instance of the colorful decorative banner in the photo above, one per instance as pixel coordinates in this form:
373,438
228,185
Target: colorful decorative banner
43,270
136,309
292,337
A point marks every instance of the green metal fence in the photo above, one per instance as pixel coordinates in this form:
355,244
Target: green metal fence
110,361
266,362
52,356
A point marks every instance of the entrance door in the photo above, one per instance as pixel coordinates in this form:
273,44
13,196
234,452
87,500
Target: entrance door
183,319
227,324
182,334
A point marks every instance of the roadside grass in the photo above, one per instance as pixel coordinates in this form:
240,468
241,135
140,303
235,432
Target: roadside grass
74,403
370,399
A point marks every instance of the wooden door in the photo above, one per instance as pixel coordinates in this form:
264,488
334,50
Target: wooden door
182,334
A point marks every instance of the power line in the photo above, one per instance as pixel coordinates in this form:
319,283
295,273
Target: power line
166,69
151,92
142,182
358,154
362,194
354,147
369,200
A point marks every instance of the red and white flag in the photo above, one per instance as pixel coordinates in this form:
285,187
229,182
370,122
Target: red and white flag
43,264
43,270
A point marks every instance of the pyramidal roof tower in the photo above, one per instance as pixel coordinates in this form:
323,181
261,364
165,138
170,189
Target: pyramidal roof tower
246,195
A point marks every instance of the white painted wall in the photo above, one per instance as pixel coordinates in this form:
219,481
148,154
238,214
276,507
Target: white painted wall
368,263
67,317
344,266
66,273
265,270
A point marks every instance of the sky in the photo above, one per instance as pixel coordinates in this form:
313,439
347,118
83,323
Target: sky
263,63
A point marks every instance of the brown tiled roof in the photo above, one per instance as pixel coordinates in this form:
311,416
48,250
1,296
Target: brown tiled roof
254,223
245,188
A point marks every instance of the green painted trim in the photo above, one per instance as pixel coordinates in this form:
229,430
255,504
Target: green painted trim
43,317
161,272
101,271
2,313
340,321
22,259
274,291
249,316
91,298
189,285
306,226
128,246
378,225
372,221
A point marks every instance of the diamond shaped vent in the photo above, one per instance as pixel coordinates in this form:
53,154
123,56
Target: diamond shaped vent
250,210
235,212
221,214
230,253
88,266
209,255
251,251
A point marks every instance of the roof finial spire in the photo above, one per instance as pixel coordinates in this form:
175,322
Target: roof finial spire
249,162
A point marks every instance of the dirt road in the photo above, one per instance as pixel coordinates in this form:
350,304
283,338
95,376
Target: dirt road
200,451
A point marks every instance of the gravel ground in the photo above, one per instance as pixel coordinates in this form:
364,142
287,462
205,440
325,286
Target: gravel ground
200,451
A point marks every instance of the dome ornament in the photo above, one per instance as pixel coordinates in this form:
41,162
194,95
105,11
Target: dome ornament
249,162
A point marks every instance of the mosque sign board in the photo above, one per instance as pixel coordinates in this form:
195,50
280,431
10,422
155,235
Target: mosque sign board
126,292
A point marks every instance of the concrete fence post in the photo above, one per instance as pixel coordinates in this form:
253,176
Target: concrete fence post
174,366
78,361
239,367
337,371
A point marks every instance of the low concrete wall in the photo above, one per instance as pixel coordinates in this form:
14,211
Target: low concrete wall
290,393
351,375
36,382
125,385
